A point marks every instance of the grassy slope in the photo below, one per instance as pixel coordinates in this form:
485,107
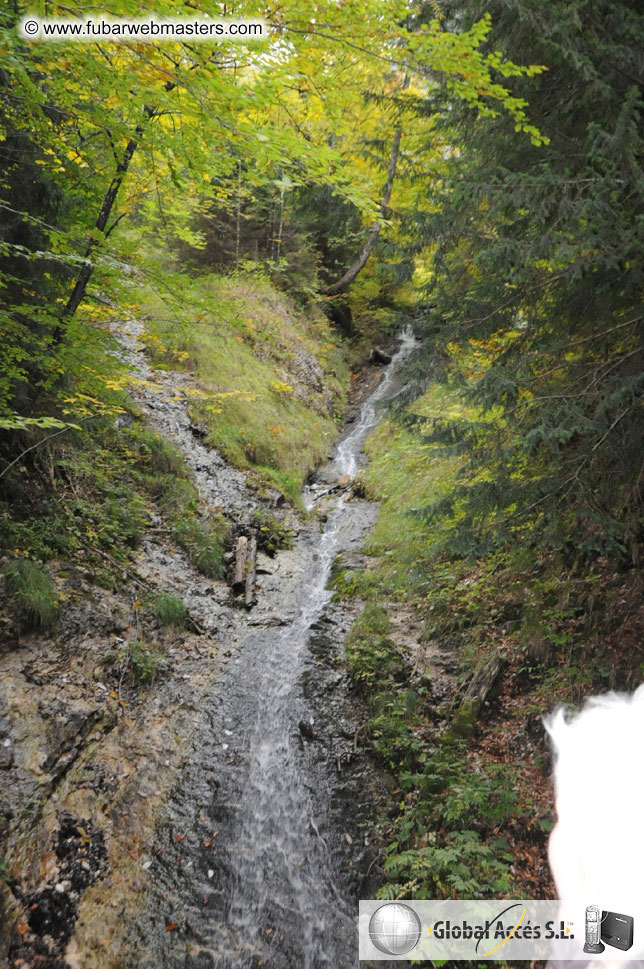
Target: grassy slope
273,375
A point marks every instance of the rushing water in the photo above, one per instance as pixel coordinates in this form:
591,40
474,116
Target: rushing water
258,882
350,449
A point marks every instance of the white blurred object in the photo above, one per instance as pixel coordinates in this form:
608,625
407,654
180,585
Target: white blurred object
596,849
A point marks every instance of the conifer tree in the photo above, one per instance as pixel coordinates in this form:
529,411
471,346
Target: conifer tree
538,286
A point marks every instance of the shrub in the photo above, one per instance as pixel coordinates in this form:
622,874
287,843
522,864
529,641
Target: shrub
145,662
138,660
372,657
33,594
272,534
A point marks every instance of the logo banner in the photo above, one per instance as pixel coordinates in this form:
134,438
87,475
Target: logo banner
500,929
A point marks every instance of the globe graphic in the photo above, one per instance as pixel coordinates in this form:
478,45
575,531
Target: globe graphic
394,929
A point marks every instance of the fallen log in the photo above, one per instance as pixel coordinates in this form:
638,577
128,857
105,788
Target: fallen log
482,687
241,558
339,489
251,573
484,681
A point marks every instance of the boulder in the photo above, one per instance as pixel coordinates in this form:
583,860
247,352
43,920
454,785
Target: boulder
379,356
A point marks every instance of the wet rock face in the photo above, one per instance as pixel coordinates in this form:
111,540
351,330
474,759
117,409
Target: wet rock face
53,912
355,789
6,746
66,728
52,908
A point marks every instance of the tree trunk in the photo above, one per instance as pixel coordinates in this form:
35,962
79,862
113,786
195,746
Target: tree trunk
280,229
85,274
238,216
351,273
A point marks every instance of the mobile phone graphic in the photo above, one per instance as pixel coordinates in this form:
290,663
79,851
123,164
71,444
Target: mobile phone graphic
593,930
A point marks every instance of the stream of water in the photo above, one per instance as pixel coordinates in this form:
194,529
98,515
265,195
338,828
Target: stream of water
257,883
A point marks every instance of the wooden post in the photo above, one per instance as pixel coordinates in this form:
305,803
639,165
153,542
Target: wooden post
241,557
251,573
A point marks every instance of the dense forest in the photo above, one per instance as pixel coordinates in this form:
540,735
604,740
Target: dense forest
233,227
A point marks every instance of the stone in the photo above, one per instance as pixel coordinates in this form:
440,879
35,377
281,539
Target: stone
379,356
307,731
6,758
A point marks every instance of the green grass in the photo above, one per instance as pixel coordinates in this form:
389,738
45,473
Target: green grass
256,357
407,476
204,545
353,583
373,621
160,456
33,594
97,490
170,610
